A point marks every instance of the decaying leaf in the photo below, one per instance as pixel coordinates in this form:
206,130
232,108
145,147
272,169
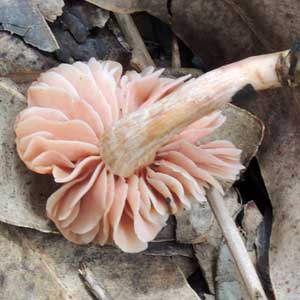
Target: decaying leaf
229,284
193,225
279,162
168,232
187,265
23,273
250,224
90,15
20,62
23,193
245,131
24,19
50,9
46,267
207,250
157,8
81,34
169,249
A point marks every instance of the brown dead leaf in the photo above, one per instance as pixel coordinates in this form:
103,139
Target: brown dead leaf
279,162
46,267
23,273
24,19
206,250
50,9
187,265
158,8
245,131
23,192
20,62
229,284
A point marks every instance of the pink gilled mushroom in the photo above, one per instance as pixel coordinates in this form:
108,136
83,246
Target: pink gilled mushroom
72,109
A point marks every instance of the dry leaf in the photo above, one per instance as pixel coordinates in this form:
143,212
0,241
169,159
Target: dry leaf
50,9
19,61
88,14
24,19
245,131
81,34
207,251
187,265
23,273
279,162
23,192
46,267
158,8
167,234
229,284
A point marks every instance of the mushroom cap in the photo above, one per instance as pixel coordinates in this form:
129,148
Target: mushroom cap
70,107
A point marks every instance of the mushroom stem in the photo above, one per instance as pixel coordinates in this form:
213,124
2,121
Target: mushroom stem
134,140
236,246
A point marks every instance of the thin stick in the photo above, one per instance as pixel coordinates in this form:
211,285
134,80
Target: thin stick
94,286
140,55
236,246
176,62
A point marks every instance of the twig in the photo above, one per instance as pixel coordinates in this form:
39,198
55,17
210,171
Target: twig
140,55
176,62
236,246
115,29
178,72
94,286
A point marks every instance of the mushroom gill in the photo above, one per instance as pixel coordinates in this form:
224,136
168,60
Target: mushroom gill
71,108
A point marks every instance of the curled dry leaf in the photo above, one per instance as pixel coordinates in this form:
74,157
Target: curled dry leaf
279,163
206,250
229,284
186,264
246,132
46,267
24,19
20,62
88,14
23,193
50,9
157,8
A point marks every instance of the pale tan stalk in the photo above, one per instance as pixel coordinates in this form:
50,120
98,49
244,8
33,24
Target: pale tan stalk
140,55
176,61
134,140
